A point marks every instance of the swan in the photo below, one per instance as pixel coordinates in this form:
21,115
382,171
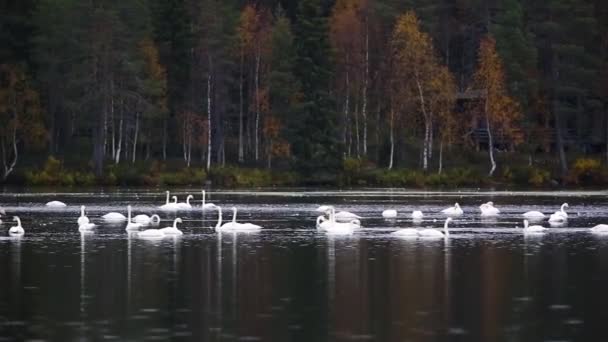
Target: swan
83,219
417,215
187,205
600,228
243,226
150,234
436,233
56,204
130,224
86,227
331,226
406,232
145,220
346,216
114,217
488,209
534,215
561,213
206,205
172,230
453,211
390,213
16,230
323,208
169,205
228,226
532,229
0,218
557,217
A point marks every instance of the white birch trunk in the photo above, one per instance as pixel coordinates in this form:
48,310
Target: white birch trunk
440,157
392,155
241,150
119,149
365,77
490,142
135,136
257,104
427,122
358,142
209,116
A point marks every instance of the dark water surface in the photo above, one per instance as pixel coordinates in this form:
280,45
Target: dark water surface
289,282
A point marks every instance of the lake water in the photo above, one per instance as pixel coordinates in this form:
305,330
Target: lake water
289,282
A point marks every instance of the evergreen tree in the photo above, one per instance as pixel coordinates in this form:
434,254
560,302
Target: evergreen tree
314,139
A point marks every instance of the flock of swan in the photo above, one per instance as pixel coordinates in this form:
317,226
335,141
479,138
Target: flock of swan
342,222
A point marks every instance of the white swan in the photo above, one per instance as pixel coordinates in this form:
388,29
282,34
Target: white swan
243,226
187,205
331,226
406,232
600,228
130,224
233,226
417,215
488,209
86,227
172,230
228,226
205,205
83,219
323,208
150,234
16,230
389,213
429,232
171,206
345,216
0,218
145,220
532,229
114,217
534,215
453,211
56,204
561,215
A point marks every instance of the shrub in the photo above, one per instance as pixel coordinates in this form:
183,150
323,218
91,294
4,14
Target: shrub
587,171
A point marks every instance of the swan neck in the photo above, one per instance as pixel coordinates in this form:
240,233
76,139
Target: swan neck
219,217
167,201
175,224
234,214
188,200
82,210
18,222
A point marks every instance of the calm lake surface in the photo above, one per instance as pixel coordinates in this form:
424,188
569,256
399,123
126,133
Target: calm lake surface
289,282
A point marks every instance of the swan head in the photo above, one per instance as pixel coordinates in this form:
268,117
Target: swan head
565,205
457,205
491,204
15,218
155,218
189,197
178,220
174,199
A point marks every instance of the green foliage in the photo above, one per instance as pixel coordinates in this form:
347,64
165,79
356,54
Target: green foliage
232,177
526,175
53,173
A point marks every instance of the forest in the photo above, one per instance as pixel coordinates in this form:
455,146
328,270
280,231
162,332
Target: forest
290,92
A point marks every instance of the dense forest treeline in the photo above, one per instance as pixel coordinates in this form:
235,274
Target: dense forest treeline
315,87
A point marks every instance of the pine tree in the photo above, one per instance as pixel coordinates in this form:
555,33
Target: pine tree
314,138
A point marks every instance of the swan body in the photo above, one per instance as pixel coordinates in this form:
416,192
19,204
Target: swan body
170,205
429,232
600,228
145,220
346,216
114,217
56,204
151,233
331,226
561,215
205,205
324,208
16,230
417,215
233,226
172,230
83,219
488,209
390,213
86,227
533,229
130,224
187,205
453,211
534,215
406,232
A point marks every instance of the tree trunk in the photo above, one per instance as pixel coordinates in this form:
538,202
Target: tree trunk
392,154
241,150
119,148
346,116
490,142
427,124
165,128
10,167
440,157
365,80
209,115
356,115
133,156
257,104
560,140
